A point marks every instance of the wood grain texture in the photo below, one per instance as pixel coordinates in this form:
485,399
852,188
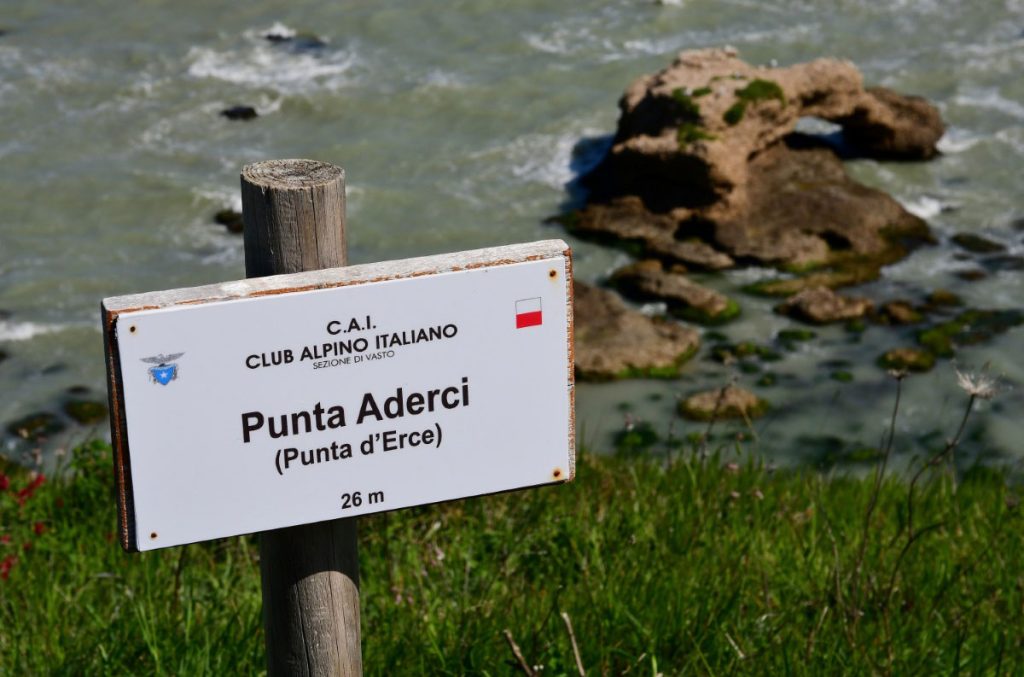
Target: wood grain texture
294,214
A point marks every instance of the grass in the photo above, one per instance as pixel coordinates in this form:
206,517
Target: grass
664,561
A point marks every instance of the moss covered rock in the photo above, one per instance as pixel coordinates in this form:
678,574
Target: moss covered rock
968,328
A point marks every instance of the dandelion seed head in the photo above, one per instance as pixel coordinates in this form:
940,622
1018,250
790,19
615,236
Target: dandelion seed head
979,385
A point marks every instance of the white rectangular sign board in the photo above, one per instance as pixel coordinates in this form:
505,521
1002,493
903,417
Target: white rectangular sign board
271,402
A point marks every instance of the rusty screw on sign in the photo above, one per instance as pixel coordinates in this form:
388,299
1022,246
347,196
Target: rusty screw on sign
557,474
553,273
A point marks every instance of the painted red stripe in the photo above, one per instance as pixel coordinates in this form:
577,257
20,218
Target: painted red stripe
528,319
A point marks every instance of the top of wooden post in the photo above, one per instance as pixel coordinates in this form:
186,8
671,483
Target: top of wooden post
294,215
292,174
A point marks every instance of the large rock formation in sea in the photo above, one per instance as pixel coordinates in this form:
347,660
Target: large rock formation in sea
706,171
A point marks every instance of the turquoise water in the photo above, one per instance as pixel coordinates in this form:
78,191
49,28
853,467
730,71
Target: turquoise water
461,125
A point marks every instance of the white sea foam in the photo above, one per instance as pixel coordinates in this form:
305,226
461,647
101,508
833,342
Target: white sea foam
957,140
990,99
277,28
218,196
261,65
23,331
439,79
924,207
545,158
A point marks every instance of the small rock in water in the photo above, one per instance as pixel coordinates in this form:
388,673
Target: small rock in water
230,219
240,113
1003,262
3,356
614,341
299,42
55,368
842,376
86,412
972,275
722,403
977,244
821,305
35,426
943,297
79,390
791,335
649,280
911,359
898,312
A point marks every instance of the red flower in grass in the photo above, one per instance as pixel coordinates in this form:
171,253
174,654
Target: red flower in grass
6,565
5,539
39,528
26,546
5,482
30,488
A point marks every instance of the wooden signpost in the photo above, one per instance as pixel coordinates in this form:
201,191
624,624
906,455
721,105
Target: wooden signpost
290,402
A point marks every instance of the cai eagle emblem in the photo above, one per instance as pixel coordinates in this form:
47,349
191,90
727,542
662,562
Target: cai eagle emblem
164,369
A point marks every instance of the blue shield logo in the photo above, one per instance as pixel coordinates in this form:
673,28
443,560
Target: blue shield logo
164,370
164,374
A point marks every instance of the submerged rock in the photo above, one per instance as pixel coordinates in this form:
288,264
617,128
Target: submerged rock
972,275
230,219
649,280
977,243
301,42
910,359
614,341
821,305
722,403
898,312
36,426
240,113
86,412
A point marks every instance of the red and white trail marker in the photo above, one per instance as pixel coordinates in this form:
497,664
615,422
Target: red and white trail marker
528,313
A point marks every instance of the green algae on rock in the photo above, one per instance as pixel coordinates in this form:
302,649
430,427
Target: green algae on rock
968,328
36,426
86,412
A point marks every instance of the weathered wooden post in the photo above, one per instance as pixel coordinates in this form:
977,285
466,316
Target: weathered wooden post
294,212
